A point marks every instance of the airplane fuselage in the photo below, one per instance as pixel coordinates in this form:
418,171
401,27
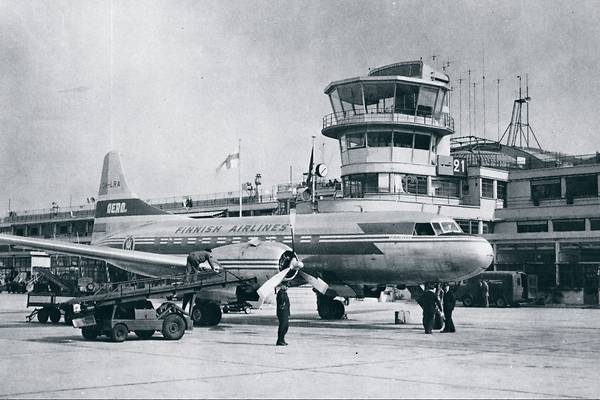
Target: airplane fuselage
350,248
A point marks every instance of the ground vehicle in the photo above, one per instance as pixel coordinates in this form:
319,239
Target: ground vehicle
239,306
49,296
117,320
506,288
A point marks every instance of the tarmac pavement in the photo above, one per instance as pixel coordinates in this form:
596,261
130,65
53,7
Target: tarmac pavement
507,353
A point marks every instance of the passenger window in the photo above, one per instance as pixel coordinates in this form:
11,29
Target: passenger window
423,230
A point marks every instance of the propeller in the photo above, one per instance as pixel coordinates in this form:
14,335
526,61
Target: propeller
295,265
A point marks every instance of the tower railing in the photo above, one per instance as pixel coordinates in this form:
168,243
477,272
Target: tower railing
441,120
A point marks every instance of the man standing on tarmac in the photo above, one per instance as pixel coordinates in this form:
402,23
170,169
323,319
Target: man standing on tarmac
448,304
485,291
283,314
430,303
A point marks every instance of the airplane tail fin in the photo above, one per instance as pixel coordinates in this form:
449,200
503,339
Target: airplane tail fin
117,206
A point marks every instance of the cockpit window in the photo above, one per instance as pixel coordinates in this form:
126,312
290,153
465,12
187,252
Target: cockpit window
437,228
451,227
423,229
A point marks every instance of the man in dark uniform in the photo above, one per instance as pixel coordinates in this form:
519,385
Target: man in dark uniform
430,303
448,306
283,314
192,267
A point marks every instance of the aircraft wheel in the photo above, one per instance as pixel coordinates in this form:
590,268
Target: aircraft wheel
211,314
119,333
54,315
500,302
337,309
89,332
173,327
225,309
467,301
197,314
42,315
144,334
331,309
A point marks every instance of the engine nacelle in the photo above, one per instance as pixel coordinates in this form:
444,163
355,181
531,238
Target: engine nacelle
254,259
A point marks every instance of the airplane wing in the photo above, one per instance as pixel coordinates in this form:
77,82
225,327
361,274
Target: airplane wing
118,257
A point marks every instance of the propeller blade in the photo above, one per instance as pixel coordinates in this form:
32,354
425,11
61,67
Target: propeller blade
320,285
268,288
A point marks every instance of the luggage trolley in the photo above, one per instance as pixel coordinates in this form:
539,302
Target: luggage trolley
125,307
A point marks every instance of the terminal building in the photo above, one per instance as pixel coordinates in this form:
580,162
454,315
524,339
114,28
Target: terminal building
400,151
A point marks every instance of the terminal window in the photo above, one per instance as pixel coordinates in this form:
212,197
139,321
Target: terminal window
487,188
595,224
566,225
545,189
532,226
582,186
402,139
356,140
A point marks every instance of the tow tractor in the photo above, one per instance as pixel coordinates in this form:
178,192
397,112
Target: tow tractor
120,308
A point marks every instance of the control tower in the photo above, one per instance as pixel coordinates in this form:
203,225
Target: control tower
392,125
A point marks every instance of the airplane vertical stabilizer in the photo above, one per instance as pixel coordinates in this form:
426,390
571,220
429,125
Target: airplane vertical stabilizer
117,207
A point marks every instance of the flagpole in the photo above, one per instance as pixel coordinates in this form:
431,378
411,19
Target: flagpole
240,172
312,172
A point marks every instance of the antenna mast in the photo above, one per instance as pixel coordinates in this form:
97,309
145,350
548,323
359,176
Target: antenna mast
517,129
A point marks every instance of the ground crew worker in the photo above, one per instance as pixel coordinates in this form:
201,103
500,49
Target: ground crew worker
430,303
485,291
283,314
448,306
196,258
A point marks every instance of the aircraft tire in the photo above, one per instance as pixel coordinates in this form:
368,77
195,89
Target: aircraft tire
89,332
331,309
197,314
211,314
54,315
119,333
173,327
42,315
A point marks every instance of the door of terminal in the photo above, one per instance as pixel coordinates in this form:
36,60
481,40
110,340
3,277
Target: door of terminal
591,278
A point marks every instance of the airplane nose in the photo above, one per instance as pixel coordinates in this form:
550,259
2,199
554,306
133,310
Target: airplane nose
485,254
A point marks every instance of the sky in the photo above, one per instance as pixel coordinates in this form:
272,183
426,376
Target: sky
174,85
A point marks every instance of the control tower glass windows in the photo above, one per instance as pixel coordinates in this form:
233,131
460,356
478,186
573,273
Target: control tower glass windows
406,99
426,102
379,139
416,184
422,142
355,140
379,98
403,139
351,98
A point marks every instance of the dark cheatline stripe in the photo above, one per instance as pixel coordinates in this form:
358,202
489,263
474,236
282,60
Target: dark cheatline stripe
393,228
124,207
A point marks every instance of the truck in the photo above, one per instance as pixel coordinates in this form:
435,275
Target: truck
139,316
506,288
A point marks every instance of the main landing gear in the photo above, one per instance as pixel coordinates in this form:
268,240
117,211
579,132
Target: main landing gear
206,313
329,308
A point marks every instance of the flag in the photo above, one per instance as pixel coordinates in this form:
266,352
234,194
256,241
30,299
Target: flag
310,170
231,161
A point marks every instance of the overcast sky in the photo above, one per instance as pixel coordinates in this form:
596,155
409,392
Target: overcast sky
173,85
